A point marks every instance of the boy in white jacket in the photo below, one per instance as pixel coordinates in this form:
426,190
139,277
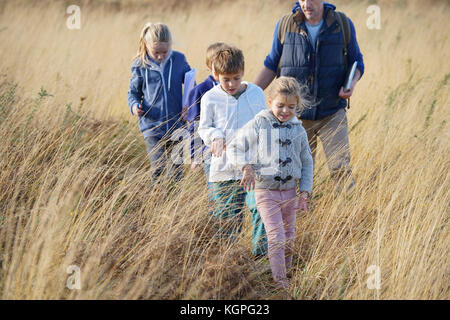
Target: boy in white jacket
225,109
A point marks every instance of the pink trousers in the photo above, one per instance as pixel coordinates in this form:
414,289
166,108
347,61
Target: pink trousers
278,212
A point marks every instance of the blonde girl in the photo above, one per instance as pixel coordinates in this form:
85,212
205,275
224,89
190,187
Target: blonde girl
155,94
278,159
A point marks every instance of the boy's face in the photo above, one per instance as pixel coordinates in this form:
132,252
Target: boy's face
230,83
283,106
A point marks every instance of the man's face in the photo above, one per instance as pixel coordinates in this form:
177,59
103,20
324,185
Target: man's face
231,83
312,9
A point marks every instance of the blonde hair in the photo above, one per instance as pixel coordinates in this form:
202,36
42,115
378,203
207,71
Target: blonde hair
228,60
290,86
152,33
212,51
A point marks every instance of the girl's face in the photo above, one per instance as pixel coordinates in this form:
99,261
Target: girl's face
283,106
159,51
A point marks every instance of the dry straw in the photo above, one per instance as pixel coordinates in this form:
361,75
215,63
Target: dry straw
74,174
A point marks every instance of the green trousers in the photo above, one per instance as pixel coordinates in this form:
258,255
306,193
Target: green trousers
230,198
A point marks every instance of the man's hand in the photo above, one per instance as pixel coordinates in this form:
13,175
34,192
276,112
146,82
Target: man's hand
248,179
137,110
218,146
302,202
347,94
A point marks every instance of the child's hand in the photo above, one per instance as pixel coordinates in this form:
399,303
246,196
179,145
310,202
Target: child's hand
248,179
195,166
218,147
184,113
137,110
302,202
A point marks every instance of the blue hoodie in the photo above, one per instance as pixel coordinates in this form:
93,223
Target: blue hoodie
158,88
194,99
322,70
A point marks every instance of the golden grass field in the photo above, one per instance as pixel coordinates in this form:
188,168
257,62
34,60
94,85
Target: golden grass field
74,173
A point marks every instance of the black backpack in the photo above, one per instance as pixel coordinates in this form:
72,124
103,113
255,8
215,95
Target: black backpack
345,27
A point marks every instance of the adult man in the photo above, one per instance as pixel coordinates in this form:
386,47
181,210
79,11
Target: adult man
316,45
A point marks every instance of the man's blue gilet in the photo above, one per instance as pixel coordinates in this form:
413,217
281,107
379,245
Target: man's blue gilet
322,70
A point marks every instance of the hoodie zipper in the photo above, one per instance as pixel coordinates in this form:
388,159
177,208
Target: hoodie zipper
161,72
170,73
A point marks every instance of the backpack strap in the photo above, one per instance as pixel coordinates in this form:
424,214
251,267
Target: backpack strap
288,23
345,27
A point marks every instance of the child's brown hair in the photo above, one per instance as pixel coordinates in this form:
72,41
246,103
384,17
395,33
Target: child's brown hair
228,60
211,51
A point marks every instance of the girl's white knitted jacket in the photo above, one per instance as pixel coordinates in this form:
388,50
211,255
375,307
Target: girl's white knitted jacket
278,151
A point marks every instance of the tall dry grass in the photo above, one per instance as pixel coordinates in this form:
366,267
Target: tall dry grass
74,173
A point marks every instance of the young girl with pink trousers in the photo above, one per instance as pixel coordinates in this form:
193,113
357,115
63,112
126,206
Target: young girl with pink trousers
275,174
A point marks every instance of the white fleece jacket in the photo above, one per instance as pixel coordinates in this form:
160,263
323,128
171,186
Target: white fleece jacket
222,116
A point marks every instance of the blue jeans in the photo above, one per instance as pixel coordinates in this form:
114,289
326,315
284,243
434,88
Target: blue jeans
159,151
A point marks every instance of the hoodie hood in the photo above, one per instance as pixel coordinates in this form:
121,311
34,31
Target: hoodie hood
249,87
267,114
326,6
156,65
